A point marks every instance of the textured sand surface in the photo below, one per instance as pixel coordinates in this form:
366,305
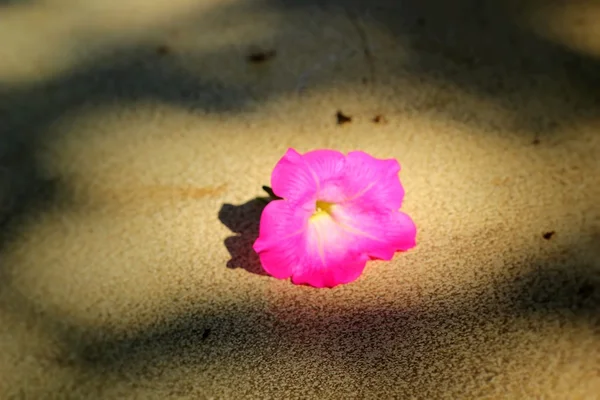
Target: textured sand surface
135,138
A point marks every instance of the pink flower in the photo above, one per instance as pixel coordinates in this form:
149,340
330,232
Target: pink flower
336,213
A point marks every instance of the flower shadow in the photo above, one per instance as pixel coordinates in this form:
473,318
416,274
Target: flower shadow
243,220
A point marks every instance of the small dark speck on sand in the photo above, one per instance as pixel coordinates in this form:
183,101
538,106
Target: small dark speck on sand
342,118
586,290
205,334
259,57
163,50
379,119
548,235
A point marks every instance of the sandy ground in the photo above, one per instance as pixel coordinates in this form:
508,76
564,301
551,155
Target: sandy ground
135,138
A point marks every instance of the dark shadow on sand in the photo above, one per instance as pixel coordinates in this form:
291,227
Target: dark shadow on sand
411,343
243,220
479,46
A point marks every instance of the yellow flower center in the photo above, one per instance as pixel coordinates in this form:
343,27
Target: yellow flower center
323,209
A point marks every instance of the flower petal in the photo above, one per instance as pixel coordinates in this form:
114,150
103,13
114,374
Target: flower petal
312,251
281,241
329,258
379,235
293,180
328,166
371,183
